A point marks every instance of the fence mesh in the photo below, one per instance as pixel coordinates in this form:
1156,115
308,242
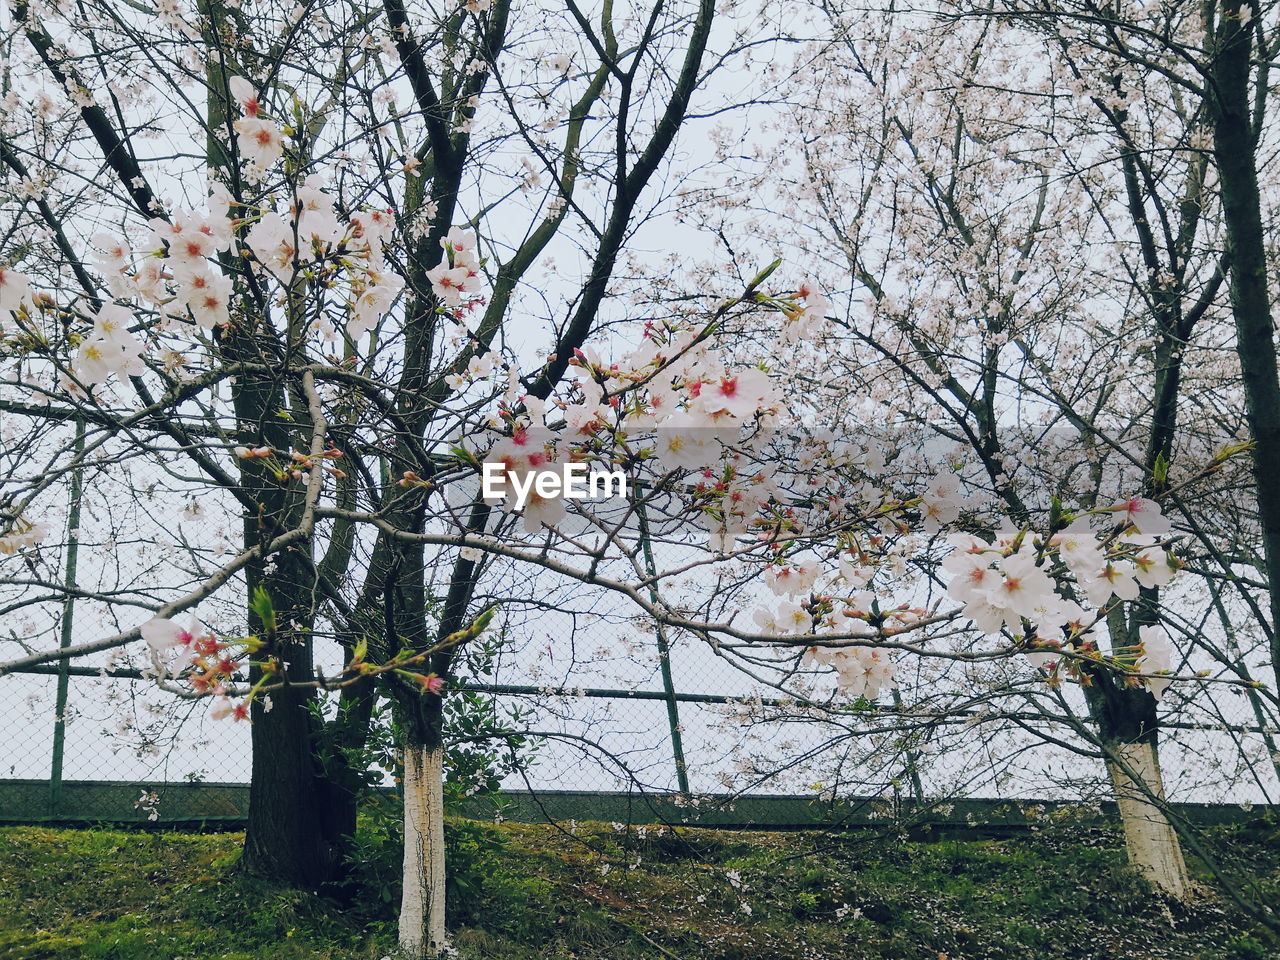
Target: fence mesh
121,730
588,674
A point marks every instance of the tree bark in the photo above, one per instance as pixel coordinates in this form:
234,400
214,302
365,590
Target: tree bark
298,821
1128,727
422,899
422,930
284,838
1149,837
1235,153
279,842
343,784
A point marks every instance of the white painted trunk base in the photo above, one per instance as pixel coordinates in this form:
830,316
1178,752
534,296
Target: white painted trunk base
422,933
1150,839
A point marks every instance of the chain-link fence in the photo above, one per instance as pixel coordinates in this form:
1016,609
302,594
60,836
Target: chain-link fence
611,700
114,739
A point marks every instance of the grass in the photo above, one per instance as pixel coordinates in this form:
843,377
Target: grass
591,892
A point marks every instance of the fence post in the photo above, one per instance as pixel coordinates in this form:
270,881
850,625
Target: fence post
68,619
664,657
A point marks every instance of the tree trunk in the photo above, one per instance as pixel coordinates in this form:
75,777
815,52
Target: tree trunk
341,784
1235,152
288,835
1149,837
422,932
1128,727
285,834
284,838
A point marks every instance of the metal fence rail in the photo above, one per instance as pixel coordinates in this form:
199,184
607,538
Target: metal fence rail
225,806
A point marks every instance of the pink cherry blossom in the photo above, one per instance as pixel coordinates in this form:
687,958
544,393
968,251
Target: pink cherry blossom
433,684
739,394
207,295
1155,656
451,284
110,349
1024,589
259,140
1151,567
188,239
462,243
940,502
791,580
1115,578
1144,515
245,95
273,242
312,210
164,634
14,289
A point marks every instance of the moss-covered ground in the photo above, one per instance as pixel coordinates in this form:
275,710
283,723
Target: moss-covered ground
593,891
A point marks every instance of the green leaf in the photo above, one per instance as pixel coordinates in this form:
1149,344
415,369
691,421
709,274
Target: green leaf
764,274
1160,471
465,455
263,608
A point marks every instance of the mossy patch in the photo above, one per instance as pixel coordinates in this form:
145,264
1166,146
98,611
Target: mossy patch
593,891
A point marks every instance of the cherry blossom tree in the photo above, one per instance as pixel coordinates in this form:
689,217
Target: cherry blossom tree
306,269
1018,216
325,156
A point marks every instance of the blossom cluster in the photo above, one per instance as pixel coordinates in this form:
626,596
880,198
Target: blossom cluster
804,313
207,664
22,533
678,408
671,398
1050,592
456,280
181,278
110,348
860,671
840,603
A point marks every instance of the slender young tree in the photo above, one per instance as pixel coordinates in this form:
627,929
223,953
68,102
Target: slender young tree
1024,215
